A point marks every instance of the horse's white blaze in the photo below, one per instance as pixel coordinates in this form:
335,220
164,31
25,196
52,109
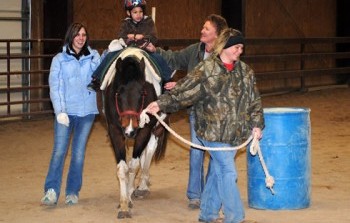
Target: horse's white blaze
134,165
122,172
129,129
146,159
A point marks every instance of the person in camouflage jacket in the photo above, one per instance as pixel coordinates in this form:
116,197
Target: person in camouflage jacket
228,108
226,103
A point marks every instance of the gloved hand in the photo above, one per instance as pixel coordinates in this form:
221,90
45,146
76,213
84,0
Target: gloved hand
63,119
116,45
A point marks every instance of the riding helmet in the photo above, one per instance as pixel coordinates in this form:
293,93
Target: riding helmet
130,4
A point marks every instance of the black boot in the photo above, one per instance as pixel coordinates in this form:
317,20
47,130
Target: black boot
94,85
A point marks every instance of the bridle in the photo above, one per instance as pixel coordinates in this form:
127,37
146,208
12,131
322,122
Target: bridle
130,112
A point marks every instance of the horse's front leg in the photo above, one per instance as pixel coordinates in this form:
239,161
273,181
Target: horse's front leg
122,172
134,166
118,142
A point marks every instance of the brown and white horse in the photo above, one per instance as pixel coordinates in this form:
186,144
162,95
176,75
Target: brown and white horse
127,92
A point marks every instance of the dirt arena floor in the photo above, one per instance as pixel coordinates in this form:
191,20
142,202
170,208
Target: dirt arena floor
25,151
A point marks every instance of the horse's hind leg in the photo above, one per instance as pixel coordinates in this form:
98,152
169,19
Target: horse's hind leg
146,159
122,172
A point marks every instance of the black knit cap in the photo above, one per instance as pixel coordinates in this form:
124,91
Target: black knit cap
233,40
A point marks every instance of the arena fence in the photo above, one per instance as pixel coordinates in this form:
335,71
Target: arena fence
281,65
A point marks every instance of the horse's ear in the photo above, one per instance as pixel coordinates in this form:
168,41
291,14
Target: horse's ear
118,70
118,63
142,64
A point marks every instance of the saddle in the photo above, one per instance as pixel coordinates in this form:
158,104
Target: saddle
107,67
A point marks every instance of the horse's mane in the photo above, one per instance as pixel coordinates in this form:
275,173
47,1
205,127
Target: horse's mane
130,69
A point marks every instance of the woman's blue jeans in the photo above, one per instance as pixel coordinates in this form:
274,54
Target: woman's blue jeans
196,175
79,130
221,189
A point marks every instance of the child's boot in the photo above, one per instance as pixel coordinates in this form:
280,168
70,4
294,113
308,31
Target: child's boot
94,85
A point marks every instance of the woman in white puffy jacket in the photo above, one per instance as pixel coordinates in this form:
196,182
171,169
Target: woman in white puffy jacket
75,108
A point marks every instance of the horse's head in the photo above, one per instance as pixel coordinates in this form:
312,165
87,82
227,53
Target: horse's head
129,69
130,94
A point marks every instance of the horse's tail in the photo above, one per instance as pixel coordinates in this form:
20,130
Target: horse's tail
162,134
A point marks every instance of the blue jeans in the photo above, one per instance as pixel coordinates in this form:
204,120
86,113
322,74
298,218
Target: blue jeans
221,187
196,175
79,128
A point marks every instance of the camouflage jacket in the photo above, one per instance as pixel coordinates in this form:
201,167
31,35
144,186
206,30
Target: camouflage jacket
185,59
227,104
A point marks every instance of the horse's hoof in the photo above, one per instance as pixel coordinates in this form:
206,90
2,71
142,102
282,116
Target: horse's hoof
124,214
130,205
140,194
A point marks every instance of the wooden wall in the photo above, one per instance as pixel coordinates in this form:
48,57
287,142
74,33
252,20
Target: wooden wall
261,19
290,19
180,19
174,19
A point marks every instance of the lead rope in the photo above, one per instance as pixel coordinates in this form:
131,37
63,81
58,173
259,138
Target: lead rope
254,146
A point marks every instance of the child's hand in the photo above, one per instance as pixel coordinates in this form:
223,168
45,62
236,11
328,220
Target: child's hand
130,37
151,48
138,37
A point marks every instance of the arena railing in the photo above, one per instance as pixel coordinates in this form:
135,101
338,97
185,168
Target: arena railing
24,91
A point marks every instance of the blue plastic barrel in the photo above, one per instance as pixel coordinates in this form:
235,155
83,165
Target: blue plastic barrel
286,150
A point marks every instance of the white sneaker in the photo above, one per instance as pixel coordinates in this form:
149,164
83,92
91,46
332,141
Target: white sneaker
50,198
71,199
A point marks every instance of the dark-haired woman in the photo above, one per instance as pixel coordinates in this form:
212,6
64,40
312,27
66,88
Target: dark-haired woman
75,108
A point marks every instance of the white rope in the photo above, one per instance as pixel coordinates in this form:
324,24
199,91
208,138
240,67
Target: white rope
254,146
145,119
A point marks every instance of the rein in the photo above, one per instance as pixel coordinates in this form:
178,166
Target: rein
130,112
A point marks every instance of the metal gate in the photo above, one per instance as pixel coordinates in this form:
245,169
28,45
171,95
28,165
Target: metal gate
14,23
33,89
